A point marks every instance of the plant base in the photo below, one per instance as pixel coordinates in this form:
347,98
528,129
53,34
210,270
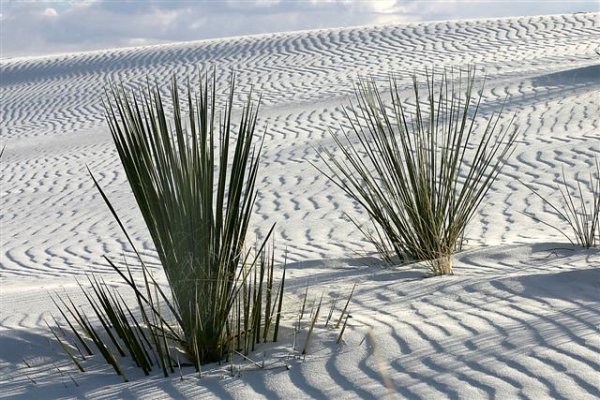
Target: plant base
442,265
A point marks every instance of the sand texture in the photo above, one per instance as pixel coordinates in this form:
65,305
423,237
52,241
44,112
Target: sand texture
520,317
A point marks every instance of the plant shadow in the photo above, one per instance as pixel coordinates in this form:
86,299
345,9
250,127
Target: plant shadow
367,268
586,281
576,76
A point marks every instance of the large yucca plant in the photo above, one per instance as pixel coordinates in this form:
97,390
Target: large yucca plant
194,181
420,175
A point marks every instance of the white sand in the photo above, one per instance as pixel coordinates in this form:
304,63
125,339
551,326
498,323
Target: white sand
519,319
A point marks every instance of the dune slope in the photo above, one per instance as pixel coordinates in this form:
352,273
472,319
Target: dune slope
519,318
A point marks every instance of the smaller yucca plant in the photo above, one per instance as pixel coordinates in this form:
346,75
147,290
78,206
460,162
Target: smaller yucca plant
420,176
580,210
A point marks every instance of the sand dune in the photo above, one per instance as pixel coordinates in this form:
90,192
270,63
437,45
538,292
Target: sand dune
520,318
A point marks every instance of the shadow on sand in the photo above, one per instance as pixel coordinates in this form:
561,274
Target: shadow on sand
577,76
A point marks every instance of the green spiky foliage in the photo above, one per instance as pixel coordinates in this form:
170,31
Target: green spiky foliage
148,335
420,175
580,210
194,181
195,187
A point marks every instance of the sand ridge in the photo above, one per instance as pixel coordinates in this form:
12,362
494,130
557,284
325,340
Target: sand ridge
497,329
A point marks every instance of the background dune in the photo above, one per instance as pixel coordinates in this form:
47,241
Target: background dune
521,316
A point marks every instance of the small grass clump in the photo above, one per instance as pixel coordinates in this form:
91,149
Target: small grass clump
193,179
314,313
420,176
580,213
